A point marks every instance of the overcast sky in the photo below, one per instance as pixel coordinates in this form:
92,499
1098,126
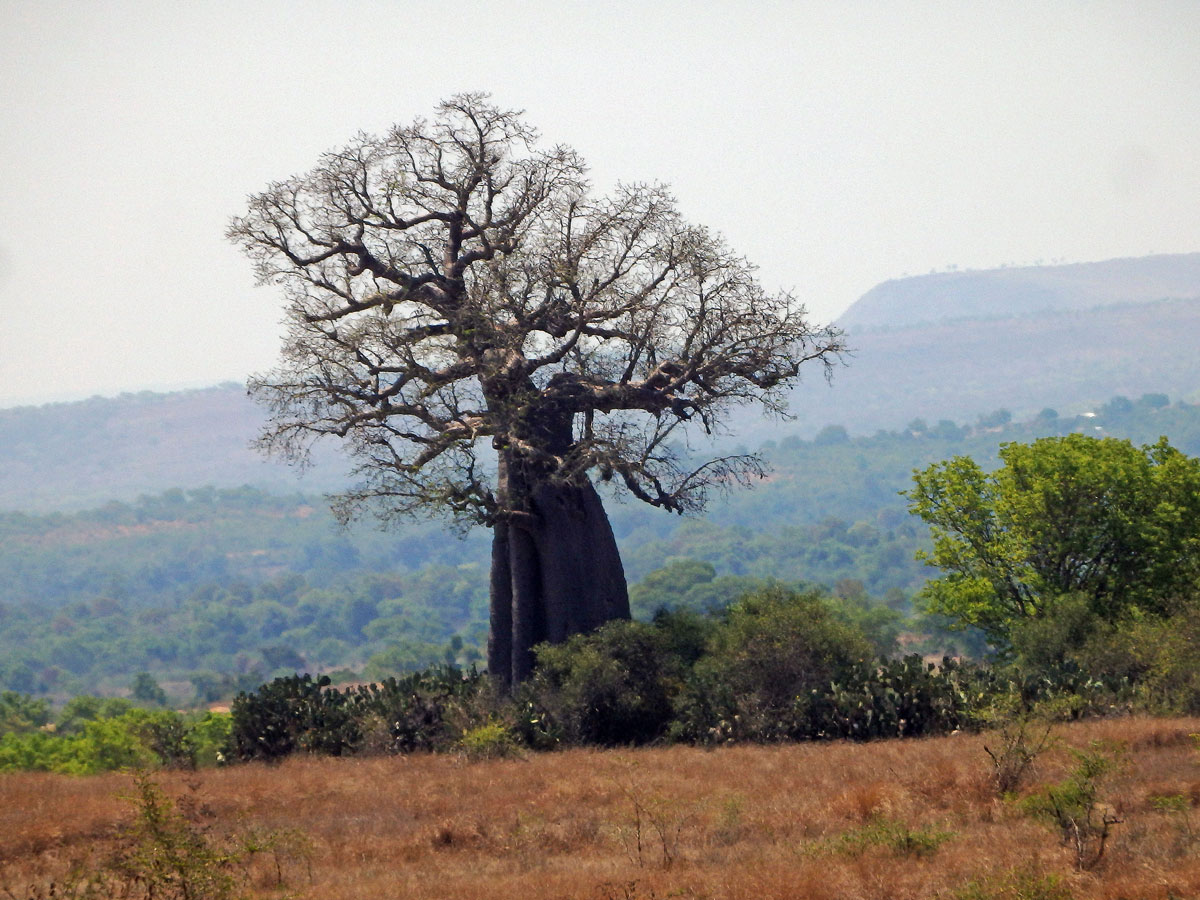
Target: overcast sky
836,144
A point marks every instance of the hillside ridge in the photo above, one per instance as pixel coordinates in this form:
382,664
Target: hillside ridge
1023,291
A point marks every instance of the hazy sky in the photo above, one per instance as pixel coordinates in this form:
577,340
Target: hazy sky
837,144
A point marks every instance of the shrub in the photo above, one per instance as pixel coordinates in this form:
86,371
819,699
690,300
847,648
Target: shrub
610,687
1019,741
684,633
168,857
1017,884
898,698
424,711
1159,657
492,740
774,650
40,752
165,854
167,736
144,689
210,737
1074,805
86,708
896,837
121,742
21,713
293,713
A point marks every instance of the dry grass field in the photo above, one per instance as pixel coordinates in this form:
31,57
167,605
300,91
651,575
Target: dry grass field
882,821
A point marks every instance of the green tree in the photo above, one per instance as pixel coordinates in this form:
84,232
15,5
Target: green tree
144,689
20,713
667,586
1097,519
80,710
773,650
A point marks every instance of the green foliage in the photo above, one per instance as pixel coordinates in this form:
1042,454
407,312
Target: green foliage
427,710
893,836
878,623
1070,517
165,853
38,752
610,687
772,650
22,713
900,698
186,584
686,677
145,689
290,714
169,736
170,858
668,587
1076,655
866,701
108,745
423,711
1086,665
1017,884
492,740
1050,640
685,634
1074,805
1159,658
85,708
210,738
129,739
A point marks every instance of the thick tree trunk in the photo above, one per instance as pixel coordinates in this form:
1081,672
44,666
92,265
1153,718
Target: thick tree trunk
556,572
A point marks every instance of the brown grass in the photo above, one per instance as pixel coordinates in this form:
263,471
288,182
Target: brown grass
739,822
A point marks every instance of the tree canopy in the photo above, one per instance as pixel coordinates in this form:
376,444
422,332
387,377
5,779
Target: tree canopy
454,288
1091,518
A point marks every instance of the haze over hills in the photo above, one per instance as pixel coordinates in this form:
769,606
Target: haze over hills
943,346
957,344
1023,291
79,454
1071,361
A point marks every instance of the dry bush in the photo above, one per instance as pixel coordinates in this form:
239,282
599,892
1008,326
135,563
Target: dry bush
743,822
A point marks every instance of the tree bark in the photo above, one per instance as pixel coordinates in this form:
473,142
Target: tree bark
556,571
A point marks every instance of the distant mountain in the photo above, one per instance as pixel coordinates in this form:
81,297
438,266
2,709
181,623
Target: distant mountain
1025,291
952,345
946,346
1067,361
75,455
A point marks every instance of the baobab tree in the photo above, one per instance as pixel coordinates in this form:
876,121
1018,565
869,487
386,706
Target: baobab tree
485,336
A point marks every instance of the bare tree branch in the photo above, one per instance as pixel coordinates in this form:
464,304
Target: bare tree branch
452,286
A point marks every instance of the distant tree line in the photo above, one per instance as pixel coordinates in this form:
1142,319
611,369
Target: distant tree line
217,590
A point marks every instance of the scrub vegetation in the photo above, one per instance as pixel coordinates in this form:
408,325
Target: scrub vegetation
215,591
